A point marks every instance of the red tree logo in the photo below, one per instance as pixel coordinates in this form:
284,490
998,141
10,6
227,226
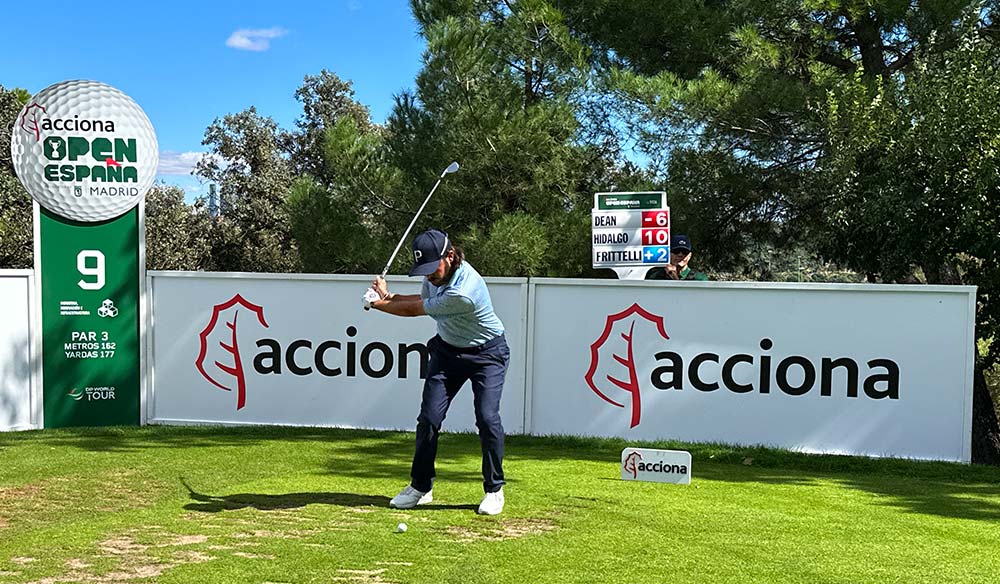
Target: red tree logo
224,342
631,463
621,351
30,120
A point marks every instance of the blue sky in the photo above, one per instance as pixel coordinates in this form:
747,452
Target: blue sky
187,63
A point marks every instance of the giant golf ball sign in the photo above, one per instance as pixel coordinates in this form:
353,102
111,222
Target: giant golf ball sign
84,150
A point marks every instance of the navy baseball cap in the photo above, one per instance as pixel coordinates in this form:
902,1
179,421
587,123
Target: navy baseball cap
680,242
428,249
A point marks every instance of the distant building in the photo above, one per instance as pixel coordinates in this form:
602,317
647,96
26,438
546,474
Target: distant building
213,201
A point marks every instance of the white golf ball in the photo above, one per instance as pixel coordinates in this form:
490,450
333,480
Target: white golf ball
401,528
84,150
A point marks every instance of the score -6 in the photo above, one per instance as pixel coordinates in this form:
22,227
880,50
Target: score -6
84,260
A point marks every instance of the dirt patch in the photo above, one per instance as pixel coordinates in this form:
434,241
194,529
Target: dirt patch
290,534
507,529
118,490
254,556
120,546
192,557
19,493
186,540
23,561
134,560
361,576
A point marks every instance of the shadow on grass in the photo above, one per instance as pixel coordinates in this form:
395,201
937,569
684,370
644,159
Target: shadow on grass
214,504
933,488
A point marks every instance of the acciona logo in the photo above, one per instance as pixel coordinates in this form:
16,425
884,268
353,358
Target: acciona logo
756,375
659,466
34,123
224,363
631,464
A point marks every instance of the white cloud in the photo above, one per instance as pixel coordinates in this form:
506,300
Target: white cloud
258,39
172,162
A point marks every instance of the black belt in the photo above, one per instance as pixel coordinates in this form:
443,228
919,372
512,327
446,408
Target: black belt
476,349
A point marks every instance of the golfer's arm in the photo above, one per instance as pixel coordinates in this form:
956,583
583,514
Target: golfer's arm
401,305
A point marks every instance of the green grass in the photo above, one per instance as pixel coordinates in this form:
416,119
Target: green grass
168,504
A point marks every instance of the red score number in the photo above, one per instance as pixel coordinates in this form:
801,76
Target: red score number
655,236
659,218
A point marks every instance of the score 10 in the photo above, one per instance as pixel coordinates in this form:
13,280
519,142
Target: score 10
655,236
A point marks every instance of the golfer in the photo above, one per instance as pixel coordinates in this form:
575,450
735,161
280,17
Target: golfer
469,345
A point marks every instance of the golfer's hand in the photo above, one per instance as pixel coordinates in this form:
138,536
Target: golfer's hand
370,297
380,288
672,272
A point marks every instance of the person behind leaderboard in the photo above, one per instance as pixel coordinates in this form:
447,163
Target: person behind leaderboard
678,268
469,345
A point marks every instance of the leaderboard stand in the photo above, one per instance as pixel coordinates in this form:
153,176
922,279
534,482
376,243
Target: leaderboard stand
630,232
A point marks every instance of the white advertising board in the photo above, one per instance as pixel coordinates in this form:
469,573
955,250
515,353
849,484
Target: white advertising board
300,350
837,368
16,367
656,466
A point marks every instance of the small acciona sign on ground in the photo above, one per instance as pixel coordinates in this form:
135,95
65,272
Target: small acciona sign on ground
658,466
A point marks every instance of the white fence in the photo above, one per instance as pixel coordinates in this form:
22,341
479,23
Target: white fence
859,369
19,405
304,352
852,369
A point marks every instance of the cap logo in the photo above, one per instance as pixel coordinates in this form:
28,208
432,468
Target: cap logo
417,254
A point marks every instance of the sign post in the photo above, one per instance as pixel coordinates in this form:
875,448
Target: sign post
87,154
630,232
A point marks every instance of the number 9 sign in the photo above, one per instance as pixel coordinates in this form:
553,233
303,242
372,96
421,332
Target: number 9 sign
97,271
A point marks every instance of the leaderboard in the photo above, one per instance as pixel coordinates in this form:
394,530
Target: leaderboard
630,229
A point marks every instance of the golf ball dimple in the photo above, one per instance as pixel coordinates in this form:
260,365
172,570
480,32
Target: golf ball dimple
84,150
401,528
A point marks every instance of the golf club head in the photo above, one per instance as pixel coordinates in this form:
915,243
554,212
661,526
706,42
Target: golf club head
451,168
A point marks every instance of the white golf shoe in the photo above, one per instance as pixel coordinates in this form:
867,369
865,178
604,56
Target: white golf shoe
409,498
492,503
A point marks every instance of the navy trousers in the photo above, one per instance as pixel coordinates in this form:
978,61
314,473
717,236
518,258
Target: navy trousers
449,368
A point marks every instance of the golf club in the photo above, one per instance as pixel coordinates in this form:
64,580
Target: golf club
451,168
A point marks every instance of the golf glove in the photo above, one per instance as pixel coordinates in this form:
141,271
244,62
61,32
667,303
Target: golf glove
370,297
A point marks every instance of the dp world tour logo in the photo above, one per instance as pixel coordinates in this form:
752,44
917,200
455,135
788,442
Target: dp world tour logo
617,340
226,370
631,463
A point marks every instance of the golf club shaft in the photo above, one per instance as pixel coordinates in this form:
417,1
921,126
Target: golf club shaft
385,270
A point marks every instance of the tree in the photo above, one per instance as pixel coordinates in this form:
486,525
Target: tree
498,93
335,210
913,178
326,99
15,203
245,160
178,236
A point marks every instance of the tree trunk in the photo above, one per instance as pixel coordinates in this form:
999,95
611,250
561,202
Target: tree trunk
985,429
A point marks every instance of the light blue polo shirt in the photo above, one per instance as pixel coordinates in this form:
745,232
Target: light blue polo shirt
462,309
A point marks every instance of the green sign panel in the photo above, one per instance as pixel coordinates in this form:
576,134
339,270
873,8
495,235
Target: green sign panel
90,320
630,201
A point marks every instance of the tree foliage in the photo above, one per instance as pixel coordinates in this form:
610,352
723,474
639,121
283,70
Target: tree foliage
178,235
15,203
254,176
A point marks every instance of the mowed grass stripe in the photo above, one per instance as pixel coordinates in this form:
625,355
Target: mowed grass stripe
265,504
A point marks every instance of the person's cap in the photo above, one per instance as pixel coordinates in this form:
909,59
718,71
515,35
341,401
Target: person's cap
428,249
680,242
